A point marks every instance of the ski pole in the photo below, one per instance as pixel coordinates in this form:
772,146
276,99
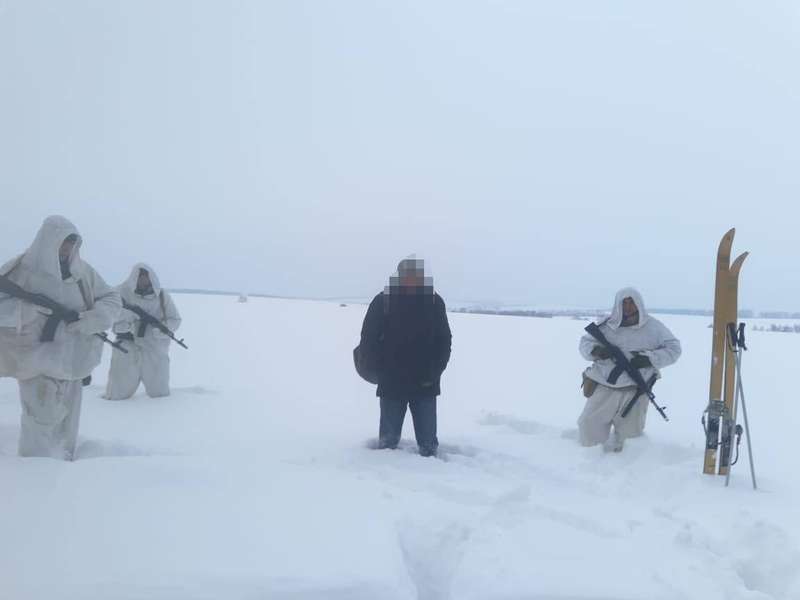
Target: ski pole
746,420
731,423
737,346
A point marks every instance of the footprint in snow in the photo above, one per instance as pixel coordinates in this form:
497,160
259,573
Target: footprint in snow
523,426
445,450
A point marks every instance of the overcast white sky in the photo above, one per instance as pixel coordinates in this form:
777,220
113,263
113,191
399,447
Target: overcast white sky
536,152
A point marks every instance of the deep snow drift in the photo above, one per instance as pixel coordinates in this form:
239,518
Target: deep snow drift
255,479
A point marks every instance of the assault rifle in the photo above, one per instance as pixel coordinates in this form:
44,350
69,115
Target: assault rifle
623,364
146,319
58,312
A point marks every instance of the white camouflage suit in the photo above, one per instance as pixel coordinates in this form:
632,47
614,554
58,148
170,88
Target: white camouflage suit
649,337
50,373
147,360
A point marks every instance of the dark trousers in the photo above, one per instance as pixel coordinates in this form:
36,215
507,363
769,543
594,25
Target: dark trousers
423,412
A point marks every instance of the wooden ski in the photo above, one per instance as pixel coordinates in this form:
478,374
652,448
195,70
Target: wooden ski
728,416
718,347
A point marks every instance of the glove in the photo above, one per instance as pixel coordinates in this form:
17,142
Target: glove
640,361
600,352
127,337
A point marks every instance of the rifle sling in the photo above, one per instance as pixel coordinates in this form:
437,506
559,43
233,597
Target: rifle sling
85,294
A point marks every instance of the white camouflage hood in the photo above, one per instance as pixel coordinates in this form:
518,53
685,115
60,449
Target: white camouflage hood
130,282
42,256
615,319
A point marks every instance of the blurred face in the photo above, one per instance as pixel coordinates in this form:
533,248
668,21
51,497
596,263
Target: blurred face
65,251
630,312
412,278
143,282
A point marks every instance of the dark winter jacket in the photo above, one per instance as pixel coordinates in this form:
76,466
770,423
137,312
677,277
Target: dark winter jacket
408,337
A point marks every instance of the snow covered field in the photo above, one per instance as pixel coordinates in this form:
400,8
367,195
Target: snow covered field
255,479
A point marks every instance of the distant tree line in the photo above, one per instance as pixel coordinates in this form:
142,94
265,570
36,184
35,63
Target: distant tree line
779,315
592,312
567,312
698,312
778,328
509,312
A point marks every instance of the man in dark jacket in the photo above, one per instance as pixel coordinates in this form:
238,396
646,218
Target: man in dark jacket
407,335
